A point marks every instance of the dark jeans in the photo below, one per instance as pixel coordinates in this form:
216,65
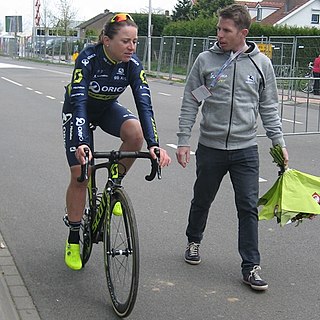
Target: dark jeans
243,167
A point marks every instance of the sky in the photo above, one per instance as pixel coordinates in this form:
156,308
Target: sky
85,9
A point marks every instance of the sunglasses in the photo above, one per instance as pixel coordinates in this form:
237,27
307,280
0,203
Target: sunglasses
121,17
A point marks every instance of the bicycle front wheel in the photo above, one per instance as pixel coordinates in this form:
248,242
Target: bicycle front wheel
85,237
121,253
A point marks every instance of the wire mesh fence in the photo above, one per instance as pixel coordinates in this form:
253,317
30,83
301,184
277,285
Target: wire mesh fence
172,58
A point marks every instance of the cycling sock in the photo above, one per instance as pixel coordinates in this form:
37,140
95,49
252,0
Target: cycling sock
74,232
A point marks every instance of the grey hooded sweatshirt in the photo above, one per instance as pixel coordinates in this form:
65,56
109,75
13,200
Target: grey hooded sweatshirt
246,89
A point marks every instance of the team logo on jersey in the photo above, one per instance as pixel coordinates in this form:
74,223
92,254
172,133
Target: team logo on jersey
95,87
143,77
79,123
85,62
77,76
66,118
120,71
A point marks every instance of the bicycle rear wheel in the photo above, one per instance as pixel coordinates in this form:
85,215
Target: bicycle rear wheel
306,85
121,254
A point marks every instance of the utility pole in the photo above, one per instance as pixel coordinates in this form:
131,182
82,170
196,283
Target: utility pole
149,36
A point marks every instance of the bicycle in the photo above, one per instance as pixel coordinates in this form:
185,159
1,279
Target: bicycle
109,217
306,85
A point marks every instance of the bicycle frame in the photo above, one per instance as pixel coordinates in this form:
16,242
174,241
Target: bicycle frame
98,211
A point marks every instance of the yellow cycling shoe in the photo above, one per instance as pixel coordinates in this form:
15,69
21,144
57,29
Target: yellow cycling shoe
72,256
117,209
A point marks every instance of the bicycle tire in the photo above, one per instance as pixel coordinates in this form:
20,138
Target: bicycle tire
85,237
121,254
306,86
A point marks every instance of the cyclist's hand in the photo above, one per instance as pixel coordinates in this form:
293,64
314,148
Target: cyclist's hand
80,153
183,155
164,160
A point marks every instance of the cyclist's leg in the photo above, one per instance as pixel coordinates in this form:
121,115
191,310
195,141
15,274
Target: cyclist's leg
132,139
121,122
75,195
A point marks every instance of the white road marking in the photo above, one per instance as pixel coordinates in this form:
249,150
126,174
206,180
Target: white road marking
12,66
174,146
292,121
11,81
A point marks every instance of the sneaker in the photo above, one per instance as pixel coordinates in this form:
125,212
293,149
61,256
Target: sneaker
192,255
254,280
72,256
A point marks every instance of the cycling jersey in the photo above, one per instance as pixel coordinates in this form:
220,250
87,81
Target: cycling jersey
98,81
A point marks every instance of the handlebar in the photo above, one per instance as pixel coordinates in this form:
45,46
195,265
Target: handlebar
85,167
115,156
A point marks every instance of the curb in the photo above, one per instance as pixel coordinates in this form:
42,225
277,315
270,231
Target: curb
15,300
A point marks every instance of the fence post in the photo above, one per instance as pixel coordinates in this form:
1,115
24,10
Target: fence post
172,57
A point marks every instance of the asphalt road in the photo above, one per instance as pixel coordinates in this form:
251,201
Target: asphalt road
34,176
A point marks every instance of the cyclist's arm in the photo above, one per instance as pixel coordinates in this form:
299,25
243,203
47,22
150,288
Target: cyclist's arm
78,91
142,98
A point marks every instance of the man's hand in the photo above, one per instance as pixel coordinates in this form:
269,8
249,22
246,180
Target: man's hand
286,158
183,155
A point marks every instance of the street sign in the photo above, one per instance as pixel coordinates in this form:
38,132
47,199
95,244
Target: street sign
13,24
266,49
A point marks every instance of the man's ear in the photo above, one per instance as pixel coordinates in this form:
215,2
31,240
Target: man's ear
244,32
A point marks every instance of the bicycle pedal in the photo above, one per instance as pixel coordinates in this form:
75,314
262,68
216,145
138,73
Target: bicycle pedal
117,209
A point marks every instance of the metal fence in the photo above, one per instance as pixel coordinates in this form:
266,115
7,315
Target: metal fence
173,57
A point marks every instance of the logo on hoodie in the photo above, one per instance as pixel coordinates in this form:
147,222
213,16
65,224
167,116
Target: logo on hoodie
250,79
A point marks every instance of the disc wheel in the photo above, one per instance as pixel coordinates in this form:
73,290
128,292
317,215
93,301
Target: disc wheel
121,253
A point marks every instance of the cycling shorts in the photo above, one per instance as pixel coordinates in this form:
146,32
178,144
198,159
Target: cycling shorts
109,120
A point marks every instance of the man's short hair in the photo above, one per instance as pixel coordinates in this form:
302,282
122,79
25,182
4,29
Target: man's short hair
238,13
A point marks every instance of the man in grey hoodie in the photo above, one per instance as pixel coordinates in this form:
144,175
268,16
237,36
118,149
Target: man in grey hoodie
234,83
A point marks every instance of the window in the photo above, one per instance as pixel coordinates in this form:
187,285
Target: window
41,32
315,18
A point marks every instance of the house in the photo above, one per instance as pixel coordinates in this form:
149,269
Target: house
95,24
300,13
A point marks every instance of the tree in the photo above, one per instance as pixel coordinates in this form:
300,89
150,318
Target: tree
208,8
66,15
182,10
159,21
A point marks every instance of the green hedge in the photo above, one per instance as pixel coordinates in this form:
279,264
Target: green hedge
204,27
